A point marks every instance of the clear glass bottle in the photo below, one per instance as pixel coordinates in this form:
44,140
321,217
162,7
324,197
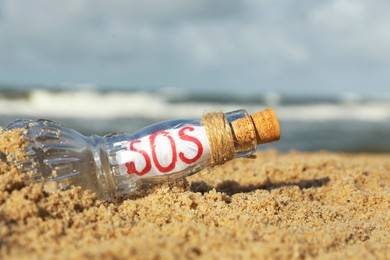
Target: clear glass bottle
119,163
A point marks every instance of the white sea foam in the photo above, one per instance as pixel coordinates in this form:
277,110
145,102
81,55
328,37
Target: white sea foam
93,104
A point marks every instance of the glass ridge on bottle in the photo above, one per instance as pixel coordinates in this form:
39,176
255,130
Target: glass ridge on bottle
118,163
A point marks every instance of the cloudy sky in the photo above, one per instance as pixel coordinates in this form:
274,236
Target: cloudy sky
250,45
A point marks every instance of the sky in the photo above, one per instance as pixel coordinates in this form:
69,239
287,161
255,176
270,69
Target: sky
285,46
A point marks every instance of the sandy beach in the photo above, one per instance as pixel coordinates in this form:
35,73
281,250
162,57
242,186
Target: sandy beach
278,206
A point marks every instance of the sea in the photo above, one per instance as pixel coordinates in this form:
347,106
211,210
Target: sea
347,122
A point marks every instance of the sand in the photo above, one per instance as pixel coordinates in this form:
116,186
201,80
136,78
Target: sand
278,206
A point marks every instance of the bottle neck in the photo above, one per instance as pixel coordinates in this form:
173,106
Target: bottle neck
243,132
230,135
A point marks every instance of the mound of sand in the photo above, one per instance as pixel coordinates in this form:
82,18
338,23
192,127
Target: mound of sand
294,205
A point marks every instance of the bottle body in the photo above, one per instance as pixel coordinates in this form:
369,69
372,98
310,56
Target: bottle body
119,163
57,156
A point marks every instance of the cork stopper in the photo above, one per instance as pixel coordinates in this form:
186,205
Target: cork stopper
266,126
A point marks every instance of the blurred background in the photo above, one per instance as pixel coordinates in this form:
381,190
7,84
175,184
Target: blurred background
106,66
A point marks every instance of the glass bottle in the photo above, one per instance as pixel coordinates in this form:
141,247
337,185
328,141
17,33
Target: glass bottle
119,163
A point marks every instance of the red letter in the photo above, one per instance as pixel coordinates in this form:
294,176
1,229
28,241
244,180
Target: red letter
131,165
172,165
195,140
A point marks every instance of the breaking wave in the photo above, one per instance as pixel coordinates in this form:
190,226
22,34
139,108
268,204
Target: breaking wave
172,103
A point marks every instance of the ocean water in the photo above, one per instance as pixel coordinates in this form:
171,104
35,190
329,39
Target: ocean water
347,122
